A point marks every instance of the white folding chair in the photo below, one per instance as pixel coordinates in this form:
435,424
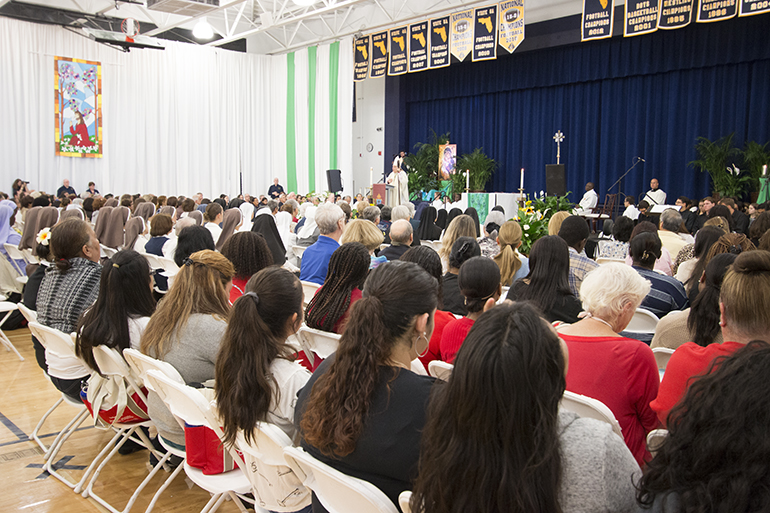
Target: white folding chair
662,356
191,406
317,342
267,449
418,368
107,251
111,363
7,308
61,346
29,256
403,501
440,370
15,254
169,266
603,260
141,364
655,439
503,295
591,408
28,313
338,492
643,321
309,289
298,250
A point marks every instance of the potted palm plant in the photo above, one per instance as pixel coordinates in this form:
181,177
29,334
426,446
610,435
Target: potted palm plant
717,159
480,167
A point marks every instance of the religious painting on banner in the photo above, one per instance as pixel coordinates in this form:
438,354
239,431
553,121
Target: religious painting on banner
379,55
398,49
78,108
717,10
598,16
485,34
674,14
418,47
641,17
461,36
511,25
439,42
447,158
361,62
752,7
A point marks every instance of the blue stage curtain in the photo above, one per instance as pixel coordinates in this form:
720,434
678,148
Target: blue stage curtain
650,96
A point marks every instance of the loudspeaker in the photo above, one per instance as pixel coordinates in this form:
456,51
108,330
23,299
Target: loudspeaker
555,182
334,180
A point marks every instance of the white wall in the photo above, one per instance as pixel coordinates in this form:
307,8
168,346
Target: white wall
370,116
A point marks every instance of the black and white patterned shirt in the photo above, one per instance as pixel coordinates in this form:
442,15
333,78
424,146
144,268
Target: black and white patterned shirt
63,296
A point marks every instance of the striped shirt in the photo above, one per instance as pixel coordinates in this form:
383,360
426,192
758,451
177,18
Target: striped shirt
667,294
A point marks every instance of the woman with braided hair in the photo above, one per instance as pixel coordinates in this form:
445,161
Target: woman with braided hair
257,379
331,304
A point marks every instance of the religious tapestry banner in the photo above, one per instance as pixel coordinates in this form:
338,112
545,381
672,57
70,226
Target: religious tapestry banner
78,108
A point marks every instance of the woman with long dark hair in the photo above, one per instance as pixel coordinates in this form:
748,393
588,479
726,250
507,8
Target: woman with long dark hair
256,378
716,456
479,281
121,311
249,254
547,284
690,271
700,322
363,410
463,249
496,441
329,308
192,239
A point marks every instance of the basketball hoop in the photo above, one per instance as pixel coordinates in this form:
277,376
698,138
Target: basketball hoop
130,28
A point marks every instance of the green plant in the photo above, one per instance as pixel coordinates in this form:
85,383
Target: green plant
480,167
549,205
423,164
536,214
755,156
715,158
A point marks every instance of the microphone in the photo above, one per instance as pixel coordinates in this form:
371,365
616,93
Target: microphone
640,158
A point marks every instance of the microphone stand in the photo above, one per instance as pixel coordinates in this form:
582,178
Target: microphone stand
620,180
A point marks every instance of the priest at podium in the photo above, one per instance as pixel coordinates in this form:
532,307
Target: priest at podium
400,182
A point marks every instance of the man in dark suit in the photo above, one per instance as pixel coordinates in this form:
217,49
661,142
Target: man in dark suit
740,220
400,237
65,189
275,190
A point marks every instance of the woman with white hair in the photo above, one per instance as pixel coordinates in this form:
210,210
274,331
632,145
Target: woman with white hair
618,371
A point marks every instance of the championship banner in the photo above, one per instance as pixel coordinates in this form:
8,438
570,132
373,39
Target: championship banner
485,34
717,10
398,51
462,34
361,63
379,55
674,14
641,17
598,16
752,7
439,42
511,26
418,47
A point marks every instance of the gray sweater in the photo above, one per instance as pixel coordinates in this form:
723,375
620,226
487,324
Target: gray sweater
598,470
193,353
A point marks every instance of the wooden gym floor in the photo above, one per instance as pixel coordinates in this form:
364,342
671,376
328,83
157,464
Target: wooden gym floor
25,395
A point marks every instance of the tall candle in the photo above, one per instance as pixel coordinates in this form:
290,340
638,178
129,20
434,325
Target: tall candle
764,170
467,180
371,175
522,178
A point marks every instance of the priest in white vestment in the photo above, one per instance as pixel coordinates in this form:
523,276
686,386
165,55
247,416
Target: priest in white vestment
400,182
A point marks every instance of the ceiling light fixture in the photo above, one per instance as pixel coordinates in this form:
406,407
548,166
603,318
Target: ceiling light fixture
203,30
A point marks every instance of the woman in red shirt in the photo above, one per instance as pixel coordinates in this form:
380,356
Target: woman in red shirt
618,371
249,254
479,281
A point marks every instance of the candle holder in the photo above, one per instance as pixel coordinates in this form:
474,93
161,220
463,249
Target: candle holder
522,198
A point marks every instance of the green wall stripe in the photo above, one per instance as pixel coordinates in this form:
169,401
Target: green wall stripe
334,71
291,141
311,60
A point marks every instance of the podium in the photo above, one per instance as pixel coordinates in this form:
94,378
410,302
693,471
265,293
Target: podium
381,193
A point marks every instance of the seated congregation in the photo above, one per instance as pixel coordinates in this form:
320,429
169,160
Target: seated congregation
231,295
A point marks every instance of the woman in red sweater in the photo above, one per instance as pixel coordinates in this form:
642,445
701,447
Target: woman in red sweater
744,302
618,371
479,281
428,259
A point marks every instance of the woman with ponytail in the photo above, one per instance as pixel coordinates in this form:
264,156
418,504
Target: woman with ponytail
512,264
363,410
256,379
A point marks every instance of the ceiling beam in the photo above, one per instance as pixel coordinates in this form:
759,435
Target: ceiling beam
188,19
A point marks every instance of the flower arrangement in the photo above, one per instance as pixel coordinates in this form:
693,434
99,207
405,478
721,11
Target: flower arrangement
536,214
44,237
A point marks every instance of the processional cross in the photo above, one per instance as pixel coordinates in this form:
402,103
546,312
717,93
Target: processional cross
558,137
